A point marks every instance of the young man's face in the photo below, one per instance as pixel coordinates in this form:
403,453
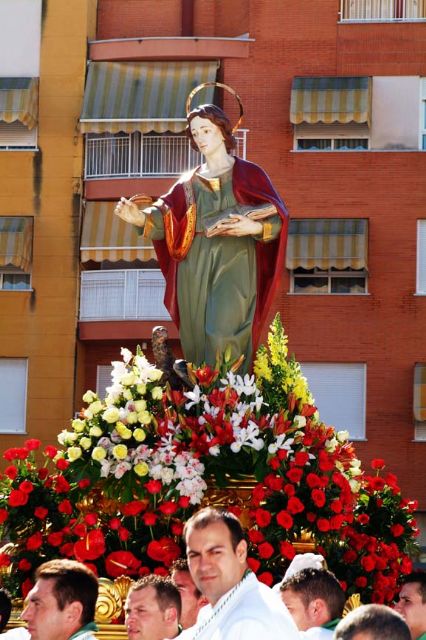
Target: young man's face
214,565
411,607
190,597
207,136
144,618
44,619
297,609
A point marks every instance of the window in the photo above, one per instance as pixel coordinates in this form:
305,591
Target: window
331,144
13,394
339,390
421,257
16,237
419,401
382,10
103,379
423,115
16,136
327,256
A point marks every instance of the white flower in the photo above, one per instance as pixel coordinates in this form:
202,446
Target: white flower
167,475
121,468
85,443
214,450
95,431
126,355
331,445
299,422
157,393
111,415
99,453
194,396
78,425
342,436
89,397
281,442
74,453
105,468
65,438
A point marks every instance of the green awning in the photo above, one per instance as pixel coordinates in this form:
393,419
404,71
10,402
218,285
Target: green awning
326,243
142,96
19,100
331,99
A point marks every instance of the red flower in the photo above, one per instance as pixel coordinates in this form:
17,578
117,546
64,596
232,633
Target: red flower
11,471
318,497
62,485
361,581
5,560
121,563
254,564
84,483
284,519
184,502
3,515
65,507
133,508
263,517
255,536
163,550
35,541
161,571
24,565
26,587
55,538
336,506
17,498
294,505
377,463
91,548
149,518
206,375
177,528
62,464
168,508
265,550
124,534
26,486
397,530
323,524
368,563
273,482
287,550
301,458
312,480
406,565
114,524
266,578
363,518
91,519
41,512
43,473
32,444
153,486
326,463
295,475
50,451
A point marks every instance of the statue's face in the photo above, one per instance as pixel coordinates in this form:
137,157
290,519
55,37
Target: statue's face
207,136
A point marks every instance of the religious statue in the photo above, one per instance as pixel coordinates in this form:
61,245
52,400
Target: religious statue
219,235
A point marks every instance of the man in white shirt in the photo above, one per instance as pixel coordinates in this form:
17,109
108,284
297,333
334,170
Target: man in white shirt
192,599
241,608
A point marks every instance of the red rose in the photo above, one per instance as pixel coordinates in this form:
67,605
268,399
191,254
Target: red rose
350,556
311,517
55,538
406,565
3,515
168,508
301,458
24,565
26,587
124,534
43,473
363,518
149,518
153,486
161,571
253,564
336,506
11,471
289,489
114,524
255,536
80,530
294,475
361,581
397,530
50,451
266,578
274,482
34,542
287,550
265,550
5,560
263,517
284,519
17,498
323,524
62,485
121,563
163,550
312,480
65,507
26,486
133,508
326,463
294,505
91,548
84,483
274,463
184,502
32,444
144,571
91,519
67,549
336,522
318,497
62,464
368,563
41,512
377,463
177,528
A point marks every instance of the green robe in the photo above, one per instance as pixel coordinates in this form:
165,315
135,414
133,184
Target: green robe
216,283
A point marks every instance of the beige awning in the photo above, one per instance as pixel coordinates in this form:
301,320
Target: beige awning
19,100
331,99
107,237
419,401
142,96
16,241
327,243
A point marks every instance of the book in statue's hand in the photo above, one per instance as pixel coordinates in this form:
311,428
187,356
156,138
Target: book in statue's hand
253,211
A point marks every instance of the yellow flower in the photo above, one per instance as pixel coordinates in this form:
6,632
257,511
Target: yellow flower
89,397
154,374
128,379
74,453
127,394
144,417
123,431
261,366
140,405
111,415
119,451
157,393
95,432
132,417
141,469
139,435
277,341
85,443
99,453
141,388
78,425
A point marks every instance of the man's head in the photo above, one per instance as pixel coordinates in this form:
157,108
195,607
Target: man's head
153,608
216,551
217,117
372,622
192,599
313,597
62,600
412,602
5,608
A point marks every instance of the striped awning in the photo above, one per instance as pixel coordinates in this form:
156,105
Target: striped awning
107,237
419,403
327,243
16,242
19,100
331,99
142,96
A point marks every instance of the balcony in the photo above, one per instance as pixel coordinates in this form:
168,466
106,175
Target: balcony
137,155
122,294
382,10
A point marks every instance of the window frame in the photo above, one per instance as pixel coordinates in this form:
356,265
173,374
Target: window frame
422,124
21,429
333,139
329,274
421,243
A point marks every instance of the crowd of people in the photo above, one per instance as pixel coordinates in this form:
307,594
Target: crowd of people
212,595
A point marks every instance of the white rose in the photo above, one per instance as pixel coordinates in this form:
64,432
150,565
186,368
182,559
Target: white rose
127,394
144,417
342,436
128,379
299,421
141,388
89,397
95,432
157,393
154,374
74,453
132,417
85,443
78,425
67,437
140,405
98,453
111,415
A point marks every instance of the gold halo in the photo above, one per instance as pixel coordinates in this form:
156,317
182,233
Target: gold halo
223,86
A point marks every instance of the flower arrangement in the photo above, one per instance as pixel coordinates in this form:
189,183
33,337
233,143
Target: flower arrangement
136,464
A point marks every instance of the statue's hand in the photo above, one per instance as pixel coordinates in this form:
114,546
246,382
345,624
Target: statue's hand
238,226
129,212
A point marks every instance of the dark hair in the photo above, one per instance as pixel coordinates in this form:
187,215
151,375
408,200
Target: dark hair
208,516
166,591
418,577
218,117
5,607
74,582
379,621
181,564
317,583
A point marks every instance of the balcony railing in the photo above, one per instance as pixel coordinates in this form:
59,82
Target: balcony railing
378,10
122,294
135,155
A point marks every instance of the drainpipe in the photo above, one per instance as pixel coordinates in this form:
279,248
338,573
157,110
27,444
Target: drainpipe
187,18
